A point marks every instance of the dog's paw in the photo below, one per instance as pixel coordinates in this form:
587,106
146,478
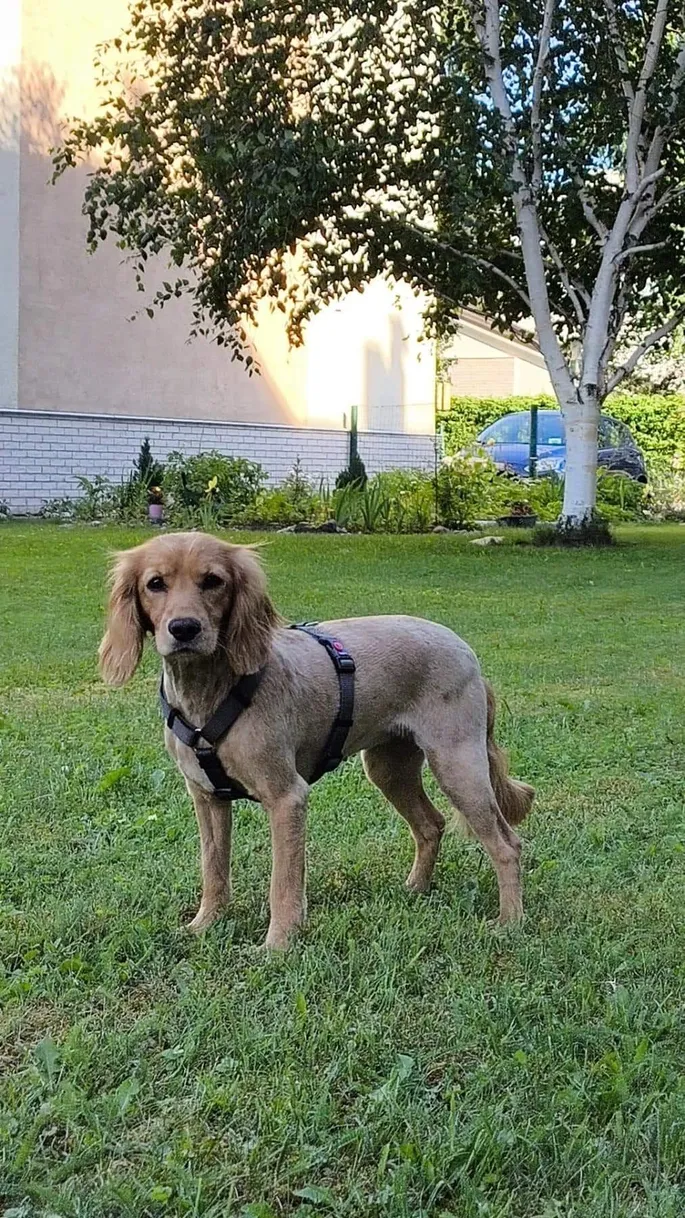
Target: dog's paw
418,882
204,918
280,938
513,921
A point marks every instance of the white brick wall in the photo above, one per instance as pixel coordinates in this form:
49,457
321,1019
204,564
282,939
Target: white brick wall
42,452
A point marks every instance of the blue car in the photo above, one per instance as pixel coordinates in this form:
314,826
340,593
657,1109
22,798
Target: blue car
507,442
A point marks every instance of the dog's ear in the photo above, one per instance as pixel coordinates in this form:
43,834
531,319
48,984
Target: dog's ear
251,617
122,645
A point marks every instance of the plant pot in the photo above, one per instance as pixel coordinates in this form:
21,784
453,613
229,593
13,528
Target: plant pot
155,513
518,522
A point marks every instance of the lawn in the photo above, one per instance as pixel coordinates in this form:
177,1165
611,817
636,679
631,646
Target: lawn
405,1058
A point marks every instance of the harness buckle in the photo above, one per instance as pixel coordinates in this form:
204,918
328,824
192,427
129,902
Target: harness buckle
344,662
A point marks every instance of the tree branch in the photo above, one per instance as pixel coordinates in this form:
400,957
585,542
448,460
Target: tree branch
485,265
614,329
637,110
605,282
644,210
587,200
638,249
536,103
620,52
573,291
650,341
588,207
656,146
667,198
676,83
486,22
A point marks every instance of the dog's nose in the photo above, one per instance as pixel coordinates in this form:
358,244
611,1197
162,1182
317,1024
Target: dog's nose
184,628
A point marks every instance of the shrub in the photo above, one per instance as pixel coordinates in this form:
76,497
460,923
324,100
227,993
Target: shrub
396,501
229,485
619,497
466,488
294,502
545,495
373,507
95,501
666,493
520,509
409,500
354,475
657,421
145,468
345,505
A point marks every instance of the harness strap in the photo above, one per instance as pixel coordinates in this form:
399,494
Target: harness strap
224,786
216,726
345,667
238,700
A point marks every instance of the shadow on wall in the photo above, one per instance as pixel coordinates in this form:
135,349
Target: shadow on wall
31,99
384,382
78,350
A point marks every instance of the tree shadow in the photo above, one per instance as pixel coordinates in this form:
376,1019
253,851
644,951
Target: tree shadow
30,104
384,381
75,309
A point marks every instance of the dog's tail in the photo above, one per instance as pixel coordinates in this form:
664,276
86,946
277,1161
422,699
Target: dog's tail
514,797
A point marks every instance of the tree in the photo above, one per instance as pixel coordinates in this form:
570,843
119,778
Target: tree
526,160
582,134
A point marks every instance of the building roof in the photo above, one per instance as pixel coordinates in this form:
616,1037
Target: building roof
476,325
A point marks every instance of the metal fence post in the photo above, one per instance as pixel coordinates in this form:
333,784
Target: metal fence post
533,446
354,446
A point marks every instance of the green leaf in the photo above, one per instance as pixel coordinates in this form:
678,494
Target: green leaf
318,1196
161,1193
112,777
48,1056
125,1094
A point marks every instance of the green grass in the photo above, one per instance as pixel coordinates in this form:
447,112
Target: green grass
405,1059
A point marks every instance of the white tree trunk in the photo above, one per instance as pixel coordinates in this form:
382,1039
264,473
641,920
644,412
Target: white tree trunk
580,483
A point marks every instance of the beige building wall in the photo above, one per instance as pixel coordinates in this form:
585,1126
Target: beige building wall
483,363
77,349
10,57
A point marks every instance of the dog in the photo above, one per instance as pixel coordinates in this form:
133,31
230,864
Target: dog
419,696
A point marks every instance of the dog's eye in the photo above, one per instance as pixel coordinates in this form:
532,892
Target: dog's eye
156,584
210,581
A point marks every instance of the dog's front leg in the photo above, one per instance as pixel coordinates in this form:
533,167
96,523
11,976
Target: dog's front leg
288,902
214,822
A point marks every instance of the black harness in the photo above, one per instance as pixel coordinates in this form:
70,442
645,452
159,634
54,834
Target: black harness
240,698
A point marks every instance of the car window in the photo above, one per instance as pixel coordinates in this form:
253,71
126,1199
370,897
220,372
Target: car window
613,434
604,433
515,429
512,429
551,429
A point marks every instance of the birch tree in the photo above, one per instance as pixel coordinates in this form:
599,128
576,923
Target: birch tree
582,112
525,158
